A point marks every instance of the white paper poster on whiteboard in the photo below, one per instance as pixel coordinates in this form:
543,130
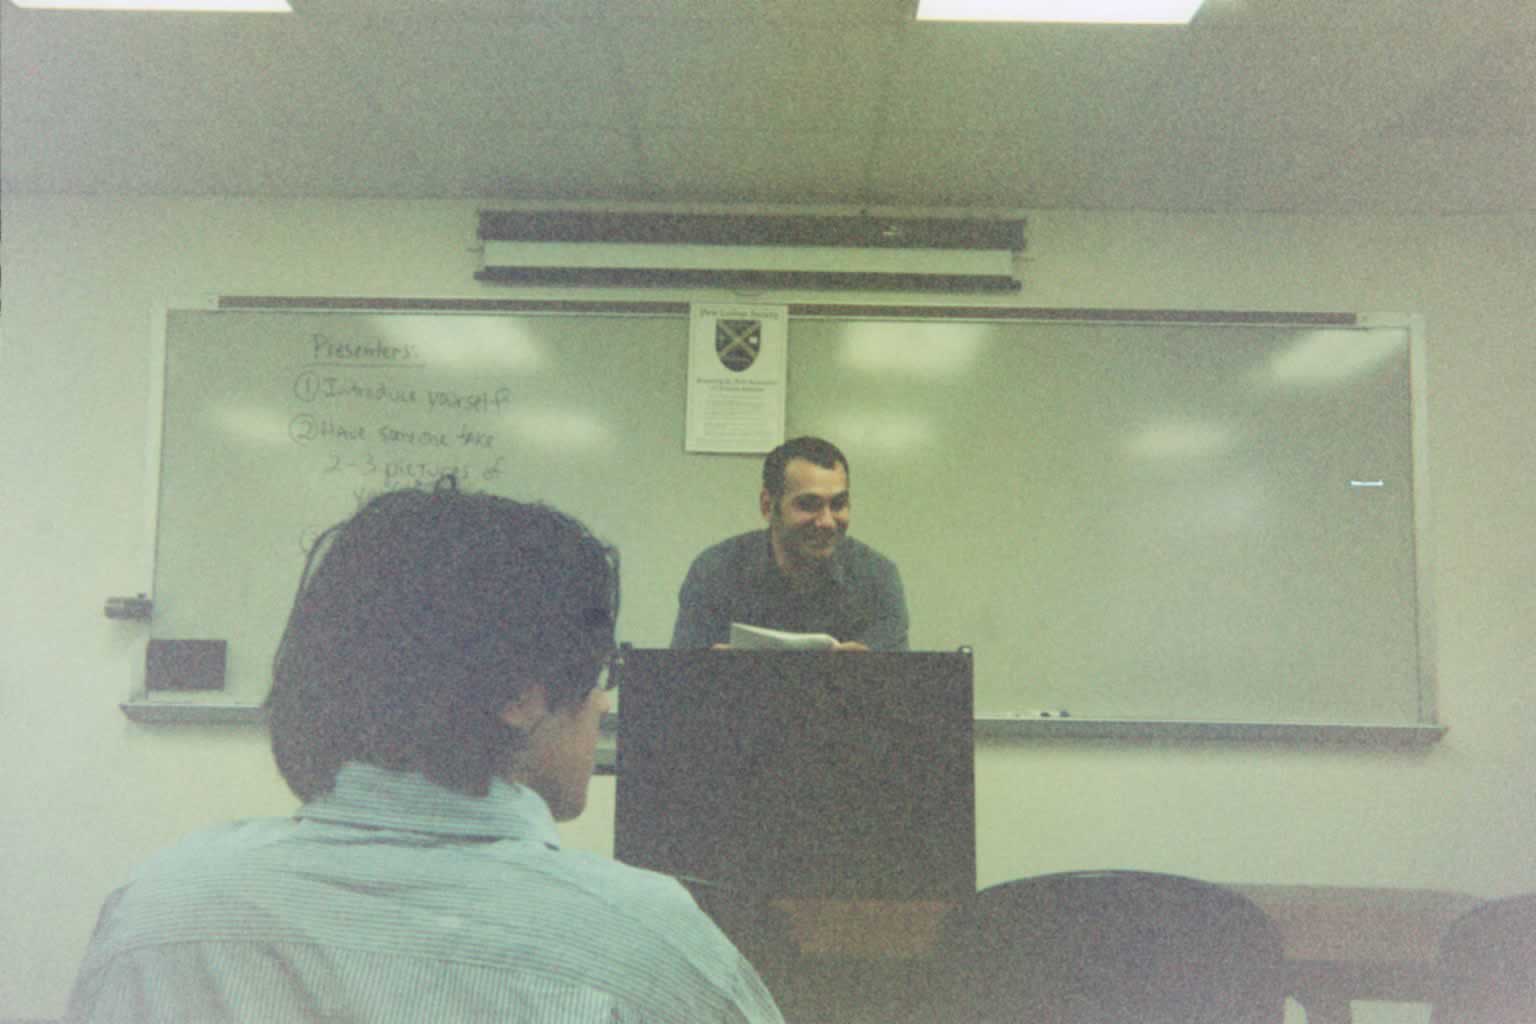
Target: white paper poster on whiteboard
737,360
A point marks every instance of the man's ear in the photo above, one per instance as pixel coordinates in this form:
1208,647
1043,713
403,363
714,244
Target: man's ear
765,503
524,711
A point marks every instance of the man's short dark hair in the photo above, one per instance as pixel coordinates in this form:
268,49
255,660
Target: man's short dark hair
813,449
419,619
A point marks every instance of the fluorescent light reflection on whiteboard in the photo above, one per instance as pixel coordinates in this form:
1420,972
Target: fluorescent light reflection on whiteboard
1185,517
254,425
882,432
478,343
912,349
1226,510
1176,439
557,429
1320,357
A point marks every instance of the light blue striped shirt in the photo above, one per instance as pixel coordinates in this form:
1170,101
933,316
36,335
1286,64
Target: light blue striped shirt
393,899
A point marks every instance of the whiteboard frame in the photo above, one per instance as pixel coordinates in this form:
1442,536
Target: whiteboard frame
213,709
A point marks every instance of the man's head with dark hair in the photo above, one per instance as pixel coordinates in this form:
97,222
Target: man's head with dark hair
444,633
806,503
814,450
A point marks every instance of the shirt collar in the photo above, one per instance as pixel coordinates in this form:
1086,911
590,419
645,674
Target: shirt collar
368,796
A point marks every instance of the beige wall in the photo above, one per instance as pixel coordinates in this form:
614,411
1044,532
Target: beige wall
85,794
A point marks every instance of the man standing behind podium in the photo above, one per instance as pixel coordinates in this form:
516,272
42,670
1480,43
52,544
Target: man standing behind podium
802,574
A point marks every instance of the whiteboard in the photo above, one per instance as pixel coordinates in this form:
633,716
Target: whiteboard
1191,517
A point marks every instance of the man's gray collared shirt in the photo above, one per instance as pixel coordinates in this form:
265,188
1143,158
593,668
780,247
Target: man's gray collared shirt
860,598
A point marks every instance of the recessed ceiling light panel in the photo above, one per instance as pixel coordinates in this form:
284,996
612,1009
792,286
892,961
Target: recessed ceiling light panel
1109,12
229,6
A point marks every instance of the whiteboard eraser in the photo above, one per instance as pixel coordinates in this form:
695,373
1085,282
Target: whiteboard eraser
185,664
137,607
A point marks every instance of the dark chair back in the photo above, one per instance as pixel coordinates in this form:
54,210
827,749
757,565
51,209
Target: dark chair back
1488,965
1109,947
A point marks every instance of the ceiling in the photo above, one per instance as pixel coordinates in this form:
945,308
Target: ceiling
1331,106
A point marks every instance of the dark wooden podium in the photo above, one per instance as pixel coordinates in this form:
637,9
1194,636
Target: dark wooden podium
819,805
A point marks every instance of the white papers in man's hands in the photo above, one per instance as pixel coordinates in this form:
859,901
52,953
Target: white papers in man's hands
756,638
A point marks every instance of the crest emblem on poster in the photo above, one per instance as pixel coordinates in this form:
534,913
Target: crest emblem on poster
738,342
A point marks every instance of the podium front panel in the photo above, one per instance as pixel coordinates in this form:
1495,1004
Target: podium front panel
800,774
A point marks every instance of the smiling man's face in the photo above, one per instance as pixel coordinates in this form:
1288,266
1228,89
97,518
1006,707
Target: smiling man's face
808,520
